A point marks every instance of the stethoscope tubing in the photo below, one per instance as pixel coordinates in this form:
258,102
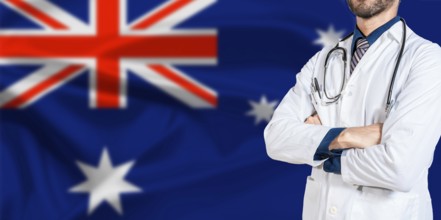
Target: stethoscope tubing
336,48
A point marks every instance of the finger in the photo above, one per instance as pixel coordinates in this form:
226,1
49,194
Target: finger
318,119
309,120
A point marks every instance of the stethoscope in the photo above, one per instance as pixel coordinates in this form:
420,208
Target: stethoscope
335,98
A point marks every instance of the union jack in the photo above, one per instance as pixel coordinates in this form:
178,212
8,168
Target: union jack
108,46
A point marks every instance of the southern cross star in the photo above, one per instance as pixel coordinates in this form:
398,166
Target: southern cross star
329,37
105,183
262,110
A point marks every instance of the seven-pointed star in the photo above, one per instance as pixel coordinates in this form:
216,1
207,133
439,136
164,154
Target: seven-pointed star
105,183
262,110
328,38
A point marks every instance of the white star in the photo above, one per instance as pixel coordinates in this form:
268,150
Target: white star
329,37
262,110
105,183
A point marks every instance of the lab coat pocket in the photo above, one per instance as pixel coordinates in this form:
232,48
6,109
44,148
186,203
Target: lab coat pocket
311,199
382,207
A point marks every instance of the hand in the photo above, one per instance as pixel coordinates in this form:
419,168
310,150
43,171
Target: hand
358,137
314,119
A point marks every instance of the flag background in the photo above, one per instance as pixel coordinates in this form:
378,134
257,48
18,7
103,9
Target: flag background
190,163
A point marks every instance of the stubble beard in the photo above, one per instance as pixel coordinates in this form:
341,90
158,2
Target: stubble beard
367,9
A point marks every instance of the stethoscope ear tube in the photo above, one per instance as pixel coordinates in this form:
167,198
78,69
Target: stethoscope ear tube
400,54
335,98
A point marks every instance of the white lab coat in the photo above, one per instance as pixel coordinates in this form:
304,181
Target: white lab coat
387,181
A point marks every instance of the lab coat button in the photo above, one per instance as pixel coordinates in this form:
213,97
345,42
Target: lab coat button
333,210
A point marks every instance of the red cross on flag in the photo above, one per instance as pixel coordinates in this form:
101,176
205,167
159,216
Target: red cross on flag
108,46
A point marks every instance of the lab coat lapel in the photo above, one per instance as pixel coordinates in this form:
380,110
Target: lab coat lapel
367,74
342,107
353,104
376,50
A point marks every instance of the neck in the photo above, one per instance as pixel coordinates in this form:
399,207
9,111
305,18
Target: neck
367,26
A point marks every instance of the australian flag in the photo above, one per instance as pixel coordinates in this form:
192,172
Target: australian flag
155,109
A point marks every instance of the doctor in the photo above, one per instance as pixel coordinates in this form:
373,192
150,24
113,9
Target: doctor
368,127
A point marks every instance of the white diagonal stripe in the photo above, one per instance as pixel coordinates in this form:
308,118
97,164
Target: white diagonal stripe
59,14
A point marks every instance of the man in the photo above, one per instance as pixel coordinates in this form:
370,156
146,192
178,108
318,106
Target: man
367,164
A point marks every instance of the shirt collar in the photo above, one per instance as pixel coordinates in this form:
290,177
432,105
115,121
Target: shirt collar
375,34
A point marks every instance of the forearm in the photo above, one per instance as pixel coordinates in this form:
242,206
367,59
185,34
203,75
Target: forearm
340,139
358,137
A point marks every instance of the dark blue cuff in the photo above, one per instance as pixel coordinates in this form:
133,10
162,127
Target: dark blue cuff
322,151
333,165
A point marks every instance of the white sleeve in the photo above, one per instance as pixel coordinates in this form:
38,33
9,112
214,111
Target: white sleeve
287,137
409,134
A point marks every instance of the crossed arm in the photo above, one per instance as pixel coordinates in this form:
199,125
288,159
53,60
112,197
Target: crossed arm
394,155
352,137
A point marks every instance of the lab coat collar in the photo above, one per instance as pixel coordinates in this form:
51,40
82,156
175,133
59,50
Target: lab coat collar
396,32
375,34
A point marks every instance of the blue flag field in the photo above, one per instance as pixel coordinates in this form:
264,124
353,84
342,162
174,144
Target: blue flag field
136,109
